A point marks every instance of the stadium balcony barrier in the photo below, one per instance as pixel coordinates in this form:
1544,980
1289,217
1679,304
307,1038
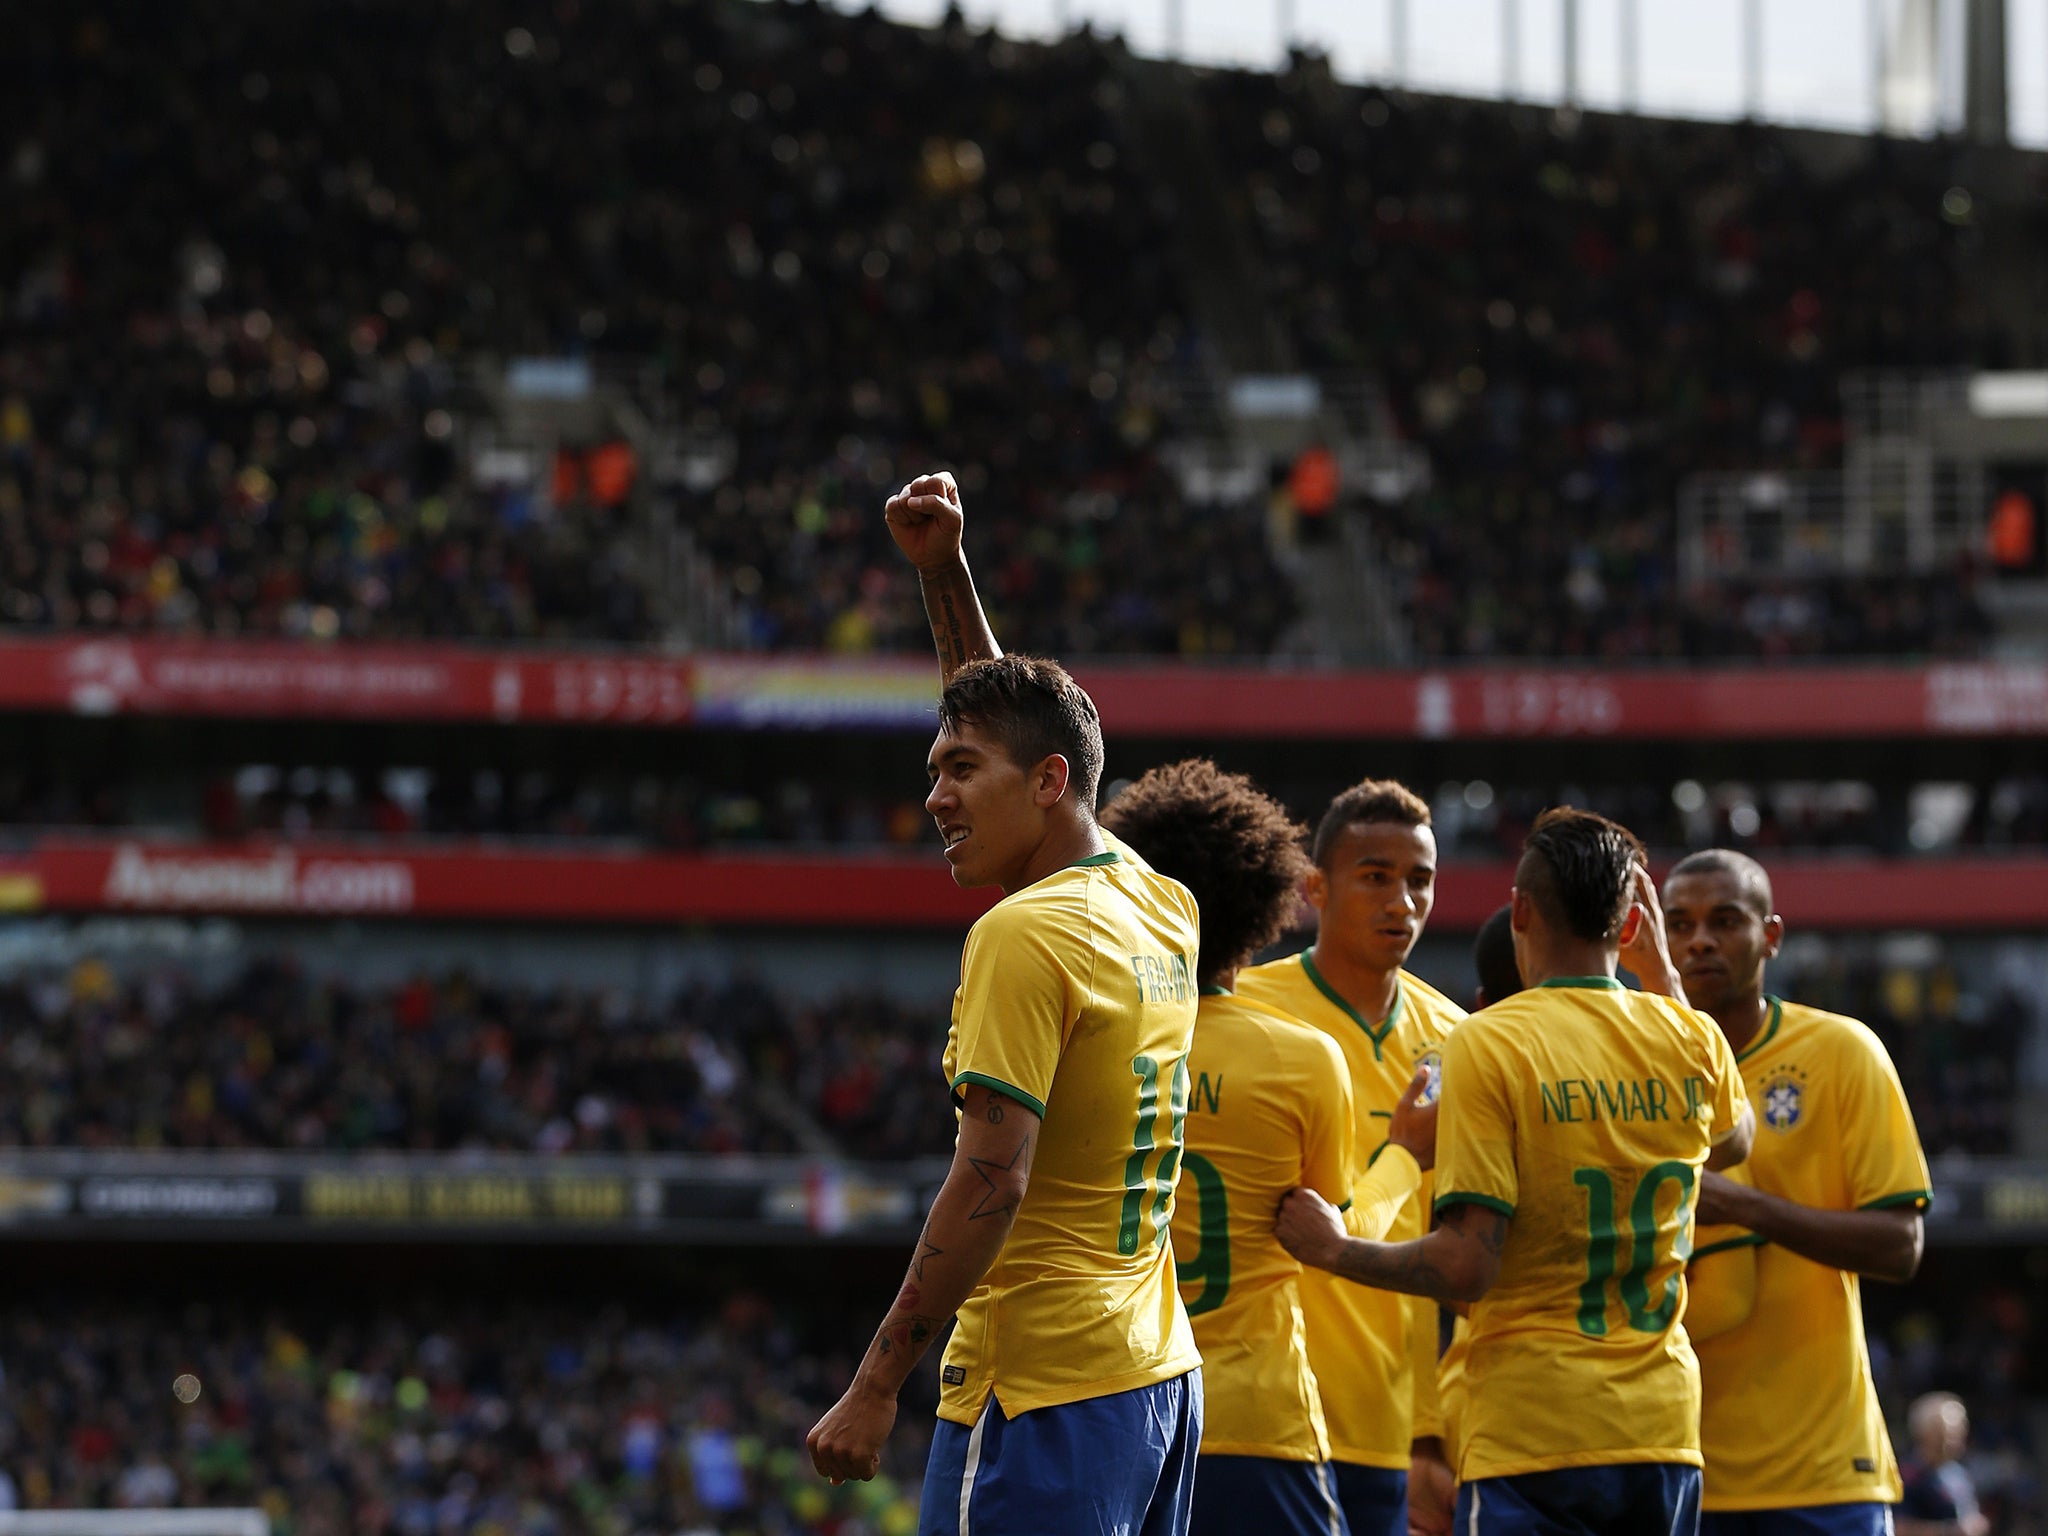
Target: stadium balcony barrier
176,1196
415,880
456,684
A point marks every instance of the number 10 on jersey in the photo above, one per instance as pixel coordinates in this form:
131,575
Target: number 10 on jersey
1143,1144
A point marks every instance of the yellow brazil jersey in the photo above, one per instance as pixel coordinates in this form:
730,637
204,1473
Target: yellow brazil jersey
1454,1389
1270,1110
1833,1131
1077,996
1585,1111
1361,1340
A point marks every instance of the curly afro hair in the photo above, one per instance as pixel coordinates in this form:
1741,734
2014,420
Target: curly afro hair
1220,836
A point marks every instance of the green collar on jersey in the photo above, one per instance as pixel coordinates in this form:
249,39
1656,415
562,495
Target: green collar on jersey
1770,1032
1217,992
1108,856
1609,983
1386,1025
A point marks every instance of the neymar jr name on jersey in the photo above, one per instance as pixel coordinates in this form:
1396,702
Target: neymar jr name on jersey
1579,1100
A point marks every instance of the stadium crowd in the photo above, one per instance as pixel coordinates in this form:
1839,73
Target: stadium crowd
750,805
1573,314
547,1418
274,1058
246,405
240,407
517,1418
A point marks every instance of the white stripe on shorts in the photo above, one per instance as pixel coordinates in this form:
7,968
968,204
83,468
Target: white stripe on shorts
973,1464
1329,1492
1472,1529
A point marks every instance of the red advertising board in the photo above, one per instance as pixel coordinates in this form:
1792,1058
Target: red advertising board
415,881
281,680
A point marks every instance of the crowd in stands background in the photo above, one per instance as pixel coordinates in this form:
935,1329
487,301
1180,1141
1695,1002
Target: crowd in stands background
273,1057
242,406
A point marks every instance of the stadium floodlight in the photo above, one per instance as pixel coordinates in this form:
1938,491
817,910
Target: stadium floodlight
135,1522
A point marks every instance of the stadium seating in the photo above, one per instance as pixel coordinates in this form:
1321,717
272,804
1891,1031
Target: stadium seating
245,405
271,1058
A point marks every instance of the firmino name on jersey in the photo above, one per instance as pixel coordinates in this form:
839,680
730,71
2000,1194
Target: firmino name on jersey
1578,1100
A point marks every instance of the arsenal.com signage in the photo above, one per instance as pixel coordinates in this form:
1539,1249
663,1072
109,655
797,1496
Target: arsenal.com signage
496,882
153,881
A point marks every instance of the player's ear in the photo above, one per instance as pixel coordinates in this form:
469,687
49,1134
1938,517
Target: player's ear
1631,925
1521,911
1049,782
1315,886
1774,935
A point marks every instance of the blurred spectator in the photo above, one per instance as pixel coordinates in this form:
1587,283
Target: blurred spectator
1940,1500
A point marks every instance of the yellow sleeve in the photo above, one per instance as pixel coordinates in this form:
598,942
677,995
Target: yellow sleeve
1885,1164
1326,1125
1377,1198
1720,1288
1730,1098
1423,1333
1475,1130
1018,997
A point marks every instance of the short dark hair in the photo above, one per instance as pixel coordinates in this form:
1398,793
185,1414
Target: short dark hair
1749,875
1219,835
1493,957
1034,709
1579,868
1368,800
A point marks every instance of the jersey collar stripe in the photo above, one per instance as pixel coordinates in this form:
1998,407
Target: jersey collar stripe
1093,859
1769,1034
1605,983
1386,1026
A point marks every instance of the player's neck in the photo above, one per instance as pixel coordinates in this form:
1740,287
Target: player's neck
1742,1018
1065,843
1564,958
1369,992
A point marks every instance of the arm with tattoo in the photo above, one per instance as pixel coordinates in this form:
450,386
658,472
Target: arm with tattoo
1458,1262
926,520
969,1222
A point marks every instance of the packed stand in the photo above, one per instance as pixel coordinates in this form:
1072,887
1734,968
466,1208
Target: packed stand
517,1419
1958,1030
754,805
1574,313
275,1058
244,406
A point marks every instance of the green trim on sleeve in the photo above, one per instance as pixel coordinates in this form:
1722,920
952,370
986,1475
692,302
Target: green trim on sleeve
1345,1206
1456,1197
1921,1197
1007,1090
1747,1240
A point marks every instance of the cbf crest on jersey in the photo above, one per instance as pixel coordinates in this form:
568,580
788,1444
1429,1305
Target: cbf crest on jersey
1783,1099
1431,1063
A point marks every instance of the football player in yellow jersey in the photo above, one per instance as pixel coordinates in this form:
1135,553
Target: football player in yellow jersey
1071,1394
1372,882
1271,1109
1838,1185
1577,1117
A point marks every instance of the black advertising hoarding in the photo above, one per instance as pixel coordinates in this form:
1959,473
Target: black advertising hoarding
433,1199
